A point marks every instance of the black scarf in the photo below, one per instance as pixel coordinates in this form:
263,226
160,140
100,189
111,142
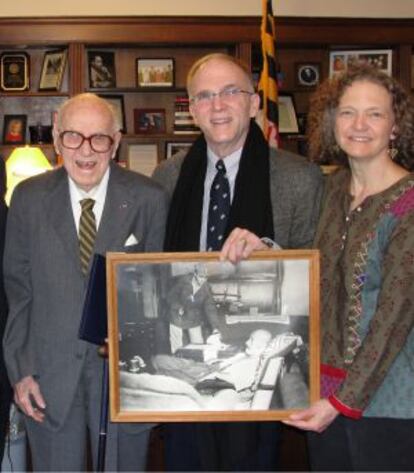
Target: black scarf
251,207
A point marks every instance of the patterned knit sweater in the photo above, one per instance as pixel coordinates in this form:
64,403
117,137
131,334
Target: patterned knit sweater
367,307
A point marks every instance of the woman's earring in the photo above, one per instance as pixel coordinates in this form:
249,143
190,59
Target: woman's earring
392,151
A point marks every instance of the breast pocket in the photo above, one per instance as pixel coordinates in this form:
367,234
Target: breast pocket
136,248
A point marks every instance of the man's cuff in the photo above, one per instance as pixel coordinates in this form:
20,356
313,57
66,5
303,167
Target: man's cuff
270,243
344,409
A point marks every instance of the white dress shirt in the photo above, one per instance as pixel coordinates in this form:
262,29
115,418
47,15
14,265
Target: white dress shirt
98,194
231,162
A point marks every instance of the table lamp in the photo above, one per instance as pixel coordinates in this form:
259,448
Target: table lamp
24,162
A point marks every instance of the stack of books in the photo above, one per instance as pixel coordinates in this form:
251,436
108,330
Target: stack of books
183,121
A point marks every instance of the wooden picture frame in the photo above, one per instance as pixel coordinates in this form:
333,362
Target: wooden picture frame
155,72
14,129
173,147
14,71
339,61
149,120
266,311
53,68
101,67
288,122
308,74
118,104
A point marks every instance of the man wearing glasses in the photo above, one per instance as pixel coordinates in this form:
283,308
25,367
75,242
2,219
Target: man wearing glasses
263,195
56,376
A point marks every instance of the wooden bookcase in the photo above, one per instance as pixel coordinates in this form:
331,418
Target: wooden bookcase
299,41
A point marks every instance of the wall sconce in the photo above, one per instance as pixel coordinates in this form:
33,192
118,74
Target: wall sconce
24,162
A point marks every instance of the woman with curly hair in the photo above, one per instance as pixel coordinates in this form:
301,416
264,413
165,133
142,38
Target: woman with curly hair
364,421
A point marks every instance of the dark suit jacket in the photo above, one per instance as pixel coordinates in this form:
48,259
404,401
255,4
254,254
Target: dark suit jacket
296,188
43,277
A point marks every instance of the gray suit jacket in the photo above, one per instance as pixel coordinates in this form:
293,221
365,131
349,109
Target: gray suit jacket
296,190
43,277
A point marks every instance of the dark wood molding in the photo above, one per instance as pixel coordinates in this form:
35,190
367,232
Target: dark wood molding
307,32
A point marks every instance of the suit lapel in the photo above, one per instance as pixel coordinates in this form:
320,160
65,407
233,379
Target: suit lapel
59,212
116,215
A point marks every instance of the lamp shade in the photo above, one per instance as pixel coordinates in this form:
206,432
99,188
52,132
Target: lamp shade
24,162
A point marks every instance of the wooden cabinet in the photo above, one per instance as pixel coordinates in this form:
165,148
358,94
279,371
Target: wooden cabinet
299,41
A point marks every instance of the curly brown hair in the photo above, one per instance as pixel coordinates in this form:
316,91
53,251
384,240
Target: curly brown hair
324,103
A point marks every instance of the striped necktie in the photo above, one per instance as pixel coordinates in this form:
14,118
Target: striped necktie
87,233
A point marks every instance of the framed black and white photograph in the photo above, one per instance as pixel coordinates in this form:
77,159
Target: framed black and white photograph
54,63
308,74
101,65
155,72
14,129
14,71
149,120
339,61
174,147
288,122
117,103
192,338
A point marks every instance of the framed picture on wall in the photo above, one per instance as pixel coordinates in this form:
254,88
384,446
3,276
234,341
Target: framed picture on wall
288,122
149,120
14,71
14,129
53,68
307,74
266,310
101,66
174,147
142,157
155,72
339,61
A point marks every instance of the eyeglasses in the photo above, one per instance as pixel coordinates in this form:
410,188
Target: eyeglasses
74,140
227,95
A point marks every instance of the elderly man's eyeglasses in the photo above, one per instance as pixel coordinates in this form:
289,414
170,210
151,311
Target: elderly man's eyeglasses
74,140
227,95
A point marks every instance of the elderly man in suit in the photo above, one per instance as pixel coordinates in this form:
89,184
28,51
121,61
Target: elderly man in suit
56,376
230,187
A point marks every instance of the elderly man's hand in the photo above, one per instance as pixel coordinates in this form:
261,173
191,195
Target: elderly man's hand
240,244
317,418
28,397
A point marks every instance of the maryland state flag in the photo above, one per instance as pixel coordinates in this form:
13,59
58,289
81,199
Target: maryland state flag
269,119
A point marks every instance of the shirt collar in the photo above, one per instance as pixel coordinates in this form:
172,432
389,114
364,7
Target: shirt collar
97,193
231,161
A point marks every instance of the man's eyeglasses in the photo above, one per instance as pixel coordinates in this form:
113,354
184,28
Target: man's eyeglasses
226,95
74,140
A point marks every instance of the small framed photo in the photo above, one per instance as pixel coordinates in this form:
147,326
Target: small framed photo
174,147
15,68
53,68
117,102
14,129
288,122
155,72
252,354
101,66
339,61
149,120
307,74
